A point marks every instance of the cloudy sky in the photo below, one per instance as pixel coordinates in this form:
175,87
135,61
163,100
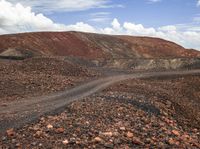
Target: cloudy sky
175,20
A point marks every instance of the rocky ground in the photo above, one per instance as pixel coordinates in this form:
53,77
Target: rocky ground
147,113
38,76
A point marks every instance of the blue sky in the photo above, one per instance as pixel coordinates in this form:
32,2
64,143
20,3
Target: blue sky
150,14
174,20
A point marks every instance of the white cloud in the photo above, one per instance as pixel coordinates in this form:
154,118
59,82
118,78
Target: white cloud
168,28
64,5
183,35
100,17
154,1
198,3
138,29
80,26
115,24
17,18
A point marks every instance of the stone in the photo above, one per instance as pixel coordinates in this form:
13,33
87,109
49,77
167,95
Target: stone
108,145
60,130
129,134
72,140
3,138
49,126
10,132
137,141
109,134
65,142
38,134
171,141
175,132
98,139
122,128
34,143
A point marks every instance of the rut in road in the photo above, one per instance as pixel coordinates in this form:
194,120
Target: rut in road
17,114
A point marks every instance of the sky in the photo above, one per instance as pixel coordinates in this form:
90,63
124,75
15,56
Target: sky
174,20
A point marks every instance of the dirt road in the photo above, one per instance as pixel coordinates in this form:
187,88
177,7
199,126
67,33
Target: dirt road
16,114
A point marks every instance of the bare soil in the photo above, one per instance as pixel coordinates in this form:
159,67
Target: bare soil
161,112
38,76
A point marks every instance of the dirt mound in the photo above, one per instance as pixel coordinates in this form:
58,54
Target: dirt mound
93,46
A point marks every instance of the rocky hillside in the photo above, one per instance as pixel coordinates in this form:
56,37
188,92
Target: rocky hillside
90,45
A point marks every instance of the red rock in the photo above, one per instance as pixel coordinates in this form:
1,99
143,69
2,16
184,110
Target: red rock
122,128
10,132
38,134
129,134
60,130
49,126
175,132
172,141
98,139
137,141
109,134
65,142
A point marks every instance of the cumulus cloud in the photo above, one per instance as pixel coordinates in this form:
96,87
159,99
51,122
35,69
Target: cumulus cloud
15,18
186,36
116,25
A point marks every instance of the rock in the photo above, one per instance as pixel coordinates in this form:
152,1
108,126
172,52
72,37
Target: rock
129,134
175,132
116,134
60,130
3,138
171,141
18,145
117,141
122,128
195,130
4,105
40,145
34,143
10,132
137,141
65,142
109,145
72,140
13,141
49,126
185,137
109,134
98,139
38,134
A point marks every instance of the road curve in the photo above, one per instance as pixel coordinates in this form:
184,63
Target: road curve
17,114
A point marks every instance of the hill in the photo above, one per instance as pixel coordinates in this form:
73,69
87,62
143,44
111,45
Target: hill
90,46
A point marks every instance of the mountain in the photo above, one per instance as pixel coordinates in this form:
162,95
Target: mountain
90,46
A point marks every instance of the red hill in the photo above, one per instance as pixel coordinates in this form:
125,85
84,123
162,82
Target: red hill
90,46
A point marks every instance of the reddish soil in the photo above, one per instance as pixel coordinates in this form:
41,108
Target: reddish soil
147,113
38,76
155,47
183,94
93,46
